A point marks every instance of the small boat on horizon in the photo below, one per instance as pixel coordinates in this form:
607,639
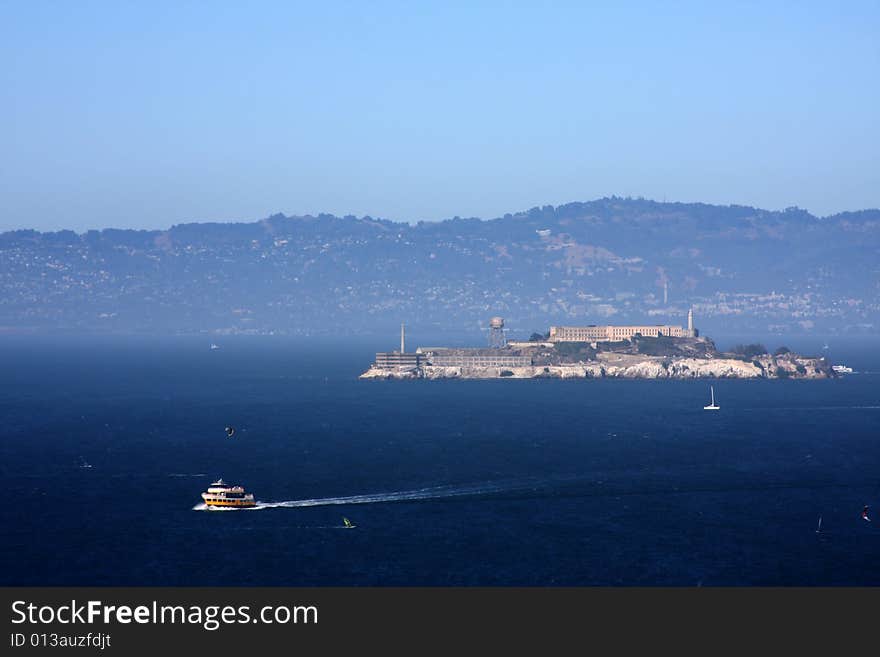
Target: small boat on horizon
842,369
712,406
214,346
221,494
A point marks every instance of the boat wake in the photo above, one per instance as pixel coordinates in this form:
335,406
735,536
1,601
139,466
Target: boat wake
430,493
560,486
205,507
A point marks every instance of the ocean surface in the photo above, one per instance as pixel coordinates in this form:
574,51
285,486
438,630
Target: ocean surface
105,446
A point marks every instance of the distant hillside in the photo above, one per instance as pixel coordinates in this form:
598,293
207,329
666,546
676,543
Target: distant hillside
605,261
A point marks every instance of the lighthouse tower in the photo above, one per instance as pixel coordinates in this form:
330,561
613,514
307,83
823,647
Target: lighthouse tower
691,333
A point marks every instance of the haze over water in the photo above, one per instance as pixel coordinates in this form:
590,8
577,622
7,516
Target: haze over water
536,482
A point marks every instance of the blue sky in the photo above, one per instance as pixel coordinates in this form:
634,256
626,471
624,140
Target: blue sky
151,114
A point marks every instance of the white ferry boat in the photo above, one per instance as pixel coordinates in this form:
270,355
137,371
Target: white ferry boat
842,369
224,495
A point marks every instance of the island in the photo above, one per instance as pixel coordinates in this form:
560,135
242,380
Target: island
589,352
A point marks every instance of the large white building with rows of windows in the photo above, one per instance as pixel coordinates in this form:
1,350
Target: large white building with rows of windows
611,333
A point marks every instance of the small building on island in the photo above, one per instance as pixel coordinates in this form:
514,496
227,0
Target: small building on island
399,359
450,357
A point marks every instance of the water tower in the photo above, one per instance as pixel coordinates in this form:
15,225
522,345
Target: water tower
496,333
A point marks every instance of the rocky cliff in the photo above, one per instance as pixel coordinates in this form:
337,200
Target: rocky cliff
631,367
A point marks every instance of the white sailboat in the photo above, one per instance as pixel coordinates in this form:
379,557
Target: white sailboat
712,406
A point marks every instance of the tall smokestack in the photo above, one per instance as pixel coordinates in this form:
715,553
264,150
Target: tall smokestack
402,345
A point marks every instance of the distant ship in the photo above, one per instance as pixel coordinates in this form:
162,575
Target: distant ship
214,346
222,494
711,406
842,369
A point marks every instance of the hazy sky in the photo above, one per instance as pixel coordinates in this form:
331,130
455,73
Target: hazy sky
147,115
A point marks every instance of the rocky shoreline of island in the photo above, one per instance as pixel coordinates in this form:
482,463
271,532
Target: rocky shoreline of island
790,367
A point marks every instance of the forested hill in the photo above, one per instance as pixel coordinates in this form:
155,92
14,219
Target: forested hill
604,261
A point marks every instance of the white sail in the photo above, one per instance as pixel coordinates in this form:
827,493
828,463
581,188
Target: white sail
712,406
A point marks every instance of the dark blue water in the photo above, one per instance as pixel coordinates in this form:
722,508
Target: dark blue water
476,483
